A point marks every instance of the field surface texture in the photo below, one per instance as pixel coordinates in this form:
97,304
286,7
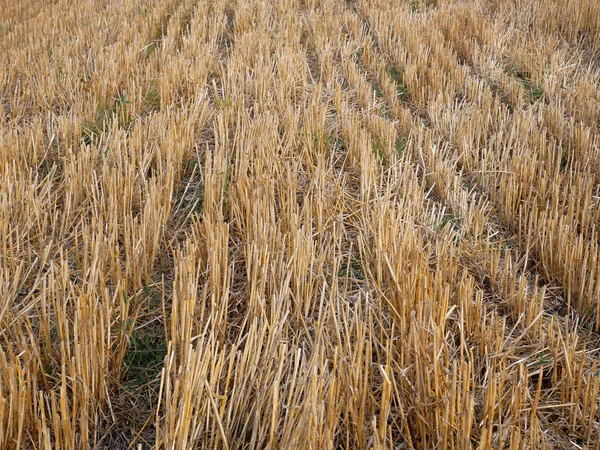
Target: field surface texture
299,224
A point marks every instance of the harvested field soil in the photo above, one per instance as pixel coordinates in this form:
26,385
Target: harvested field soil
299,224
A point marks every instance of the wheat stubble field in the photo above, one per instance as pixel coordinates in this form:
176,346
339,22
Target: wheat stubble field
309,224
